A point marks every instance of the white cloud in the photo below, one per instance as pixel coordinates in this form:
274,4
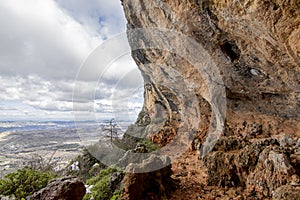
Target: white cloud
44,43
98,16
37,37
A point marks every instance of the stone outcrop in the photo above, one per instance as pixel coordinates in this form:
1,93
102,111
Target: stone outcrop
272,171
61,189
152,185
287,192
259,166
217,68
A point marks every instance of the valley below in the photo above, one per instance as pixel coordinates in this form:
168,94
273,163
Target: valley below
51,142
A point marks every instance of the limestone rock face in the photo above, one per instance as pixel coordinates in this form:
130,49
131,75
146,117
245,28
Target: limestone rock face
254,45
61,189
217,68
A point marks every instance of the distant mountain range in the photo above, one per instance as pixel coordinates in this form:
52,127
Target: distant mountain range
13,126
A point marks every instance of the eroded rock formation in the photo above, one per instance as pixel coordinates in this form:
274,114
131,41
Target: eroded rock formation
217,68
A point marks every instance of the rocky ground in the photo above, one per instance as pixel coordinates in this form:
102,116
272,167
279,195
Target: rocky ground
236,168
259,170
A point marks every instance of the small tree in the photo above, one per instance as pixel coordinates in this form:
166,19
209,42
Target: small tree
111,129
41,163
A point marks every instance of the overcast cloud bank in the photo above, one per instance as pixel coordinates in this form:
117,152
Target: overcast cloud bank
43,45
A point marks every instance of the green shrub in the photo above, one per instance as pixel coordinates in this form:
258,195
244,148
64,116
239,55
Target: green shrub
150,146
102,188
24,182
117,196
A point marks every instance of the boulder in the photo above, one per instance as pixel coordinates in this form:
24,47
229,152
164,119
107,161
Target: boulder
151,185
61,189
221,169
272,171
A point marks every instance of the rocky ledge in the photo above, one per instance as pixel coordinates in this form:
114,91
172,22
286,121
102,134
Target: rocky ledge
223,79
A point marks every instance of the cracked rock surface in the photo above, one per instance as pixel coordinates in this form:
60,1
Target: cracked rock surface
212,62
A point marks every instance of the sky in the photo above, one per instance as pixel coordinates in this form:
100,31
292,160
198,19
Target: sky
43,46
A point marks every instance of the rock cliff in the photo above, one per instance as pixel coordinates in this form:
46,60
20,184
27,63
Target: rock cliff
222,78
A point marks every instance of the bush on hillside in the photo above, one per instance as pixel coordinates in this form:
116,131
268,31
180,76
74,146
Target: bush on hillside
24,182
104,186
